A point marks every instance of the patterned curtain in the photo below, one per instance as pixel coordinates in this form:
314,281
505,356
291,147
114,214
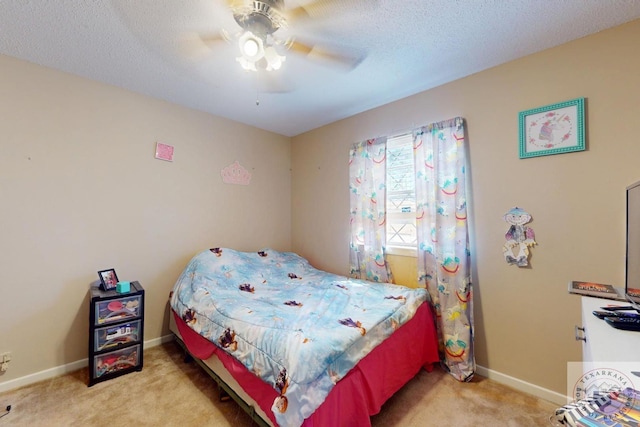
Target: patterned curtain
443,239
367,176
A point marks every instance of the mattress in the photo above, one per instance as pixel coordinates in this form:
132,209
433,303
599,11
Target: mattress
298,330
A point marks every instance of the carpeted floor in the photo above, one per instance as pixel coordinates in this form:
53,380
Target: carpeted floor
169,392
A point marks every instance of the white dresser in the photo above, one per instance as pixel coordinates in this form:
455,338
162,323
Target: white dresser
610,356
605,346
605,343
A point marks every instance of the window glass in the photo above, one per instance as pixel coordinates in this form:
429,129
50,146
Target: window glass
401,194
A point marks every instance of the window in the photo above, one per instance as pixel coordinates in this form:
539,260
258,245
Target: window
401,196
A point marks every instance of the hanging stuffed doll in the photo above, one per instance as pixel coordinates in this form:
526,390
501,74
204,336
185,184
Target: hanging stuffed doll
519,237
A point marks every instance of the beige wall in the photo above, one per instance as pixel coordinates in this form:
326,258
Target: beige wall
524,317
80,191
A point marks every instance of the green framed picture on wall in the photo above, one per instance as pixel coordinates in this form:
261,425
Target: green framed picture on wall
553,129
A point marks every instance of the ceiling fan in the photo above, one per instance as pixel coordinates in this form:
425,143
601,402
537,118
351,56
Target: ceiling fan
258,40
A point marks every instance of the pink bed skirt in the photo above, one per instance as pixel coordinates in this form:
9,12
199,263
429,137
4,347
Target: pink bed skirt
363,391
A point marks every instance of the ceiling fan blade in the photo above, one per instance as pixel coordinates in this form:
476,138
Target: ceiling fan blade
197,46
234,3
211,39
324,7
331,56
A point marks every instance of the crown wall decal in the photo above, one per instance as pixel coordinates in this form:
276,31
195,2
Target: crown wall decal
235,174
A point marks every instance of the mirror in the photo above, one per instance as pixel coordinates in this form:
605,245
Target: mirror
632,282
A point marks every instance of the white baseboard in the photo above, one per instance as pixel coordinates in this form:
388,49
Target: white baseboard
523,386
43,375
157,341
516,383
65,369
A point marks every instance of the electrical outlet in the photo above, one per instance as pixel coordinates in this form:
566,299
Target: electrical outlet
5,358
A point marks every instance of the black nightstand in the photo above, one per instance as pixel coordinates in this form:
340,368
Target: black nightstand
116,333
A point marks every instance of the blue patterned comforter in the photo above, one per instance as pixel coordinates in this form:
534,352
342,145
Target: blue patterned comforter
298,328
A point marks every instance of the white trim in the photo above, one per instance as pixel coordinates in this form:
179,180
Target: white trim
510,381
402,251
68,368
43,375
523,386
157,341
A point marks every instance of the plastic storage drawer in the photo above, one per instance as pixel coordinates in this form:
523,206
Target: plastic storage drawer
110,337
115,361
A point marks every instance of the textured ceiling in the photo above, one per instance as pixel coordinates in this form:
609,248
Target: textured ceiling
155,47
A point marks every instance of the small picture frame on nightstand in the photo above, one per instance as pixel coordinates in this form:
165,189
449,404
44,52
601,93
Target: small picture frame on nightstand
108,279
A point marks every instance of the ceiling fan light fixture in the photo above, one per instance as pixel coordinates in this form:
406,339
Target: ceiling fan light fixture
274,60
251,46
259,19
246,65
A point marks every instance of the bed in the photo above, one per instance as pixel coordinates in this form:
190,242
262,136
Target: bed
298,346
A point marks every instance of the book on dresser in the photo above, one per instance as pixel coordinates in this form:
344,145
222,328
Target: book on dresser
593,289
634,294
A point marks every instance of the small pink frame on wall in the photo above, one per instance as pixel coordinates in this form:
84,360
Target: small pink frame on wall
164,152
